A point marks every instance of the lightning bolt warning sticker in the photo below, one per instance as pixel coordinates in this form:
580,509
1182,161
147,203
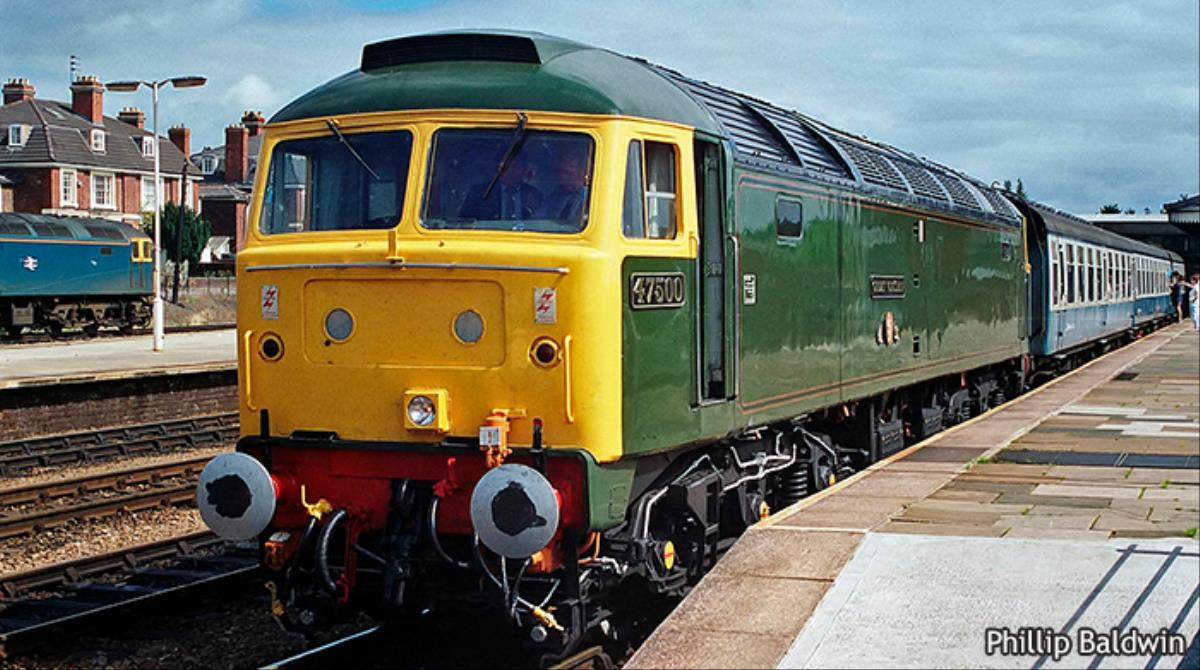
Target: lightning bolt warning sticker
270,302
545,305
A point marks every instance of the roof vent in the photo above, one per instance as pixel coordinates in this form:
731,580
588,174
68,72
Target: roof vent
441,48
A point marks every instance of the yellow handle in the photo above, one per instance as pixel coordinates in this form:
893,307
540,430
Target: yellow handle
567,378
247,357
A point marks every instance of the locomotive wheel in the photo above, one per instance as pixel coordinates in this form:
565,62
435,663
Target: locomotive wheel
91,330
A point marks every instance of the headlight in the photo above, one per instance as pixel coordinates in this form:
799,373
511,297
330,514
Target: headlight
339,324
421,410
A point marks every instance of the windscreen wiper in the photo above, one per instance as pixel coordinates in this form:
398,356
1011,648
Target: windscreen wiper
350,148
514,145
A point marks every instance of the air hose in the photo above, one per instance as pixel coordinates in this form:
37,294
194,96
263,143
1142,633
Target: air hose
321,557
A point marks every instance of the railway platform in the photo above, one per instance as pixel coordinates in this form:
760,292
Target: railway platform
1005,541
115,359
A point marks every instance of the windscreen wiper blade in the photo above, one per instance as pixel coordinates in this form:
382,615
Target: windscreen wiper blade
342,138
514,145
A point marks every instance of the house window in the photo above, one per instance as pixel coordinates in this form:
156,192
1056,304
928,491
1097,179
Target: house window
66,188
104,191
16,135
148,146
208,164
148,194
97,140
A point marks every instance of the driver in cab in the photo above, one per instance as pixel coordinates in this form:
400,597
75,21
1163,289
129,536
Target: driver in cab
512,197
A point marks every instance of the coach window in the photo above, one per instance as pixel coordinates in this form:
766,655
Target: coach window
1055,274
1070,274
1091,275
789,220
1109,285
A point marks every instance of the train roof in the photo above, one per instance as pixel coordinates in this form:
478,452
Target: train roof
511,70
1068,225
20,224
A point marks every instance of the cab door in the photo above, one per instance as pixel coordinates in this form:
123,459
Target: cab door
711,310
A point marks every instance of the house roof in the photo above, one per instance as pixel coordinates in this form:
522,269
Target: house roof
59,135
218,175
221,191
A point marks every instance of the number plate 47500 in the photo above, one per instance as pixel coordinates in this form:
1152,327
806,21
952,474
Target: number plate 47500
656,290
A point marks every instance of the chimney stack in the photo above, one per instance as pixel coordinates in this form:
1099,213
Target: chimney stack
17,89
254,122
133,116
182,138
87,99
237,163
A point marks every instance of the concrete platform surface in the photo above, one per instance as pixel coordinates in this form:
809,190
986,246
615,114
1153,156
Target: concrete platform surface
117,358
1074,507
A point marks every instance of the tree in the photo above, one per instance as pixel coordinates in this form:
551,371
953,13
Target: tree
1112,208
1019,191
1131,211
196,232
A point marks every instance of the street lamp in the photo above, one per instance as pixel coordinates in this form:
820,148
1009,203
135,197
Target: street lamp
129,87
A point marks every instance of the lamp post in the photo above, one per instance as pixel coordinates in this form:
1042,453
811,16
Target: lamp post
129,87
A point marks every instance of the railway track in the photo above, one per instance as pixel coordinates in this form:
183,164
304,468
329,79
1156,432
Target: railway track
98,495
52,599
107,333
87,446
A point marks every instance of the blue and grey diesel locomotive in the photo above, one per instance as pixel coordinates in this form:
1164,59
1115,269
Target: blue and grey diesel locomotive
61,272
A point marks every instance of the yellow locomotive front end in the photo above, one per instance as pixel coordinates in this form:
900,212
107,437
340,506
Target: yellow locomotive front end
385,298
427,299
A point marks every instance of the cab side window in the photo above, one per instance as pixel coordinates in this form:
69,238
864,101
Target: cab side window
650,210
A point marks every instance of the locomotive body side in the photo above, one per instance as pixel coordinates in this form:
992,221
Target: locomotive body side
57,267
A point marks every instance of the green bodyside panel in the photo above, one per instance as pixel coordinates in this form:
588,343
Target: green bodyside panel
571,78
790,332
658,363
609,488
816,335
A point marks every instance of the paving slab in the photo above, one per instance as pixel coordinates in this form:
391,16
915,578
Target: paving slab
906,601
116,358
919,555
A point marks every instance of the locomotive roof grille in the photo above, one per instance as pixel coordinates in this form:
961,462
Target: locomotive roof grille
24,224
513,70
444,48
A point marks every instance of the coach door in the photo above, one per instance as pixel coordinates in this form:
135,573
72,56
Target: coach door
711,270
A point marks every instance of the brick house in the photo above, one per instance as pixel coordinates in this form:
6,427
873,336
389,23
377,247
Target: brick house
6,194
69,159
229,177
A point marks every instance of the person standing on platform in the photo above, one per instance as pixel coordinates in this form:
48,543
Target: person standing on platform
1178,296
1194,302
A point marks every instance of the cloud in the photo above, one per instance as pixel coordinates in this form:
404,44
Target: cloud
251,92
1086,102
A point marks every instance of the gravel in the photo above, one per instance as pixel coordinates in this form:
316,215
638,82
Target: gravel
89,538
56,473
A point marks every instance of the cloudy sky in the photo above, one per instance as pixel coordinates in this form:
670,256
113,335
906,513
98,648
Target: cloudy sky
1087,102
